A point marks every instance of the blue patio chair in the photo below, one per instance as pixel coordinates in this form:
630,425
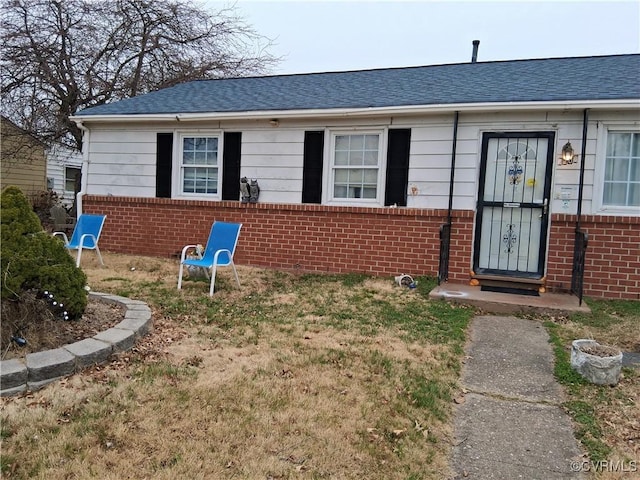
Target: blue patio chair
218,253
85,235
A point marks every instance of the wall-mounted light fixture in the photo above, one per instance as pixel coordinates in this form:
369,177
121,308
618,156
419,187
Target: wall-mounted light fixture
274,122
567,156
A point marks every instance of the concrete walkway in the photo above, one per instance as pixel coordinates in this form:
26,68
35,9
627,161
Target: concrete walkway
511,424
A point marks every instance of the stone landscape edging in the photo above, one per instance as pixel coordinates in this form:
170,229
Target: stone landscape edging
38,369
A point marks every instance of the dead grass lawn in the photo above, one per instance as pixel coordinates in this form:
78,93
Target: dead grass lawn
292,376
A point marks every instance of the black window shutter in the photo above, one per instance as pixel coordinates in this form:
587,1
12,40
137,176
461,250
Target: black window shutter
164,159
312,167
231,166
397,167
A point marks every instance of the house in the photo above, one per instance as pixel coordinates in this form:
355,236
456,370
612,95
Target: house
511,174
64,168
23,159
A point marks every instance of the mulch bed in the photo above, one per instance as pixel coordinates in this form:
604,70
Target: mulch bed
32,321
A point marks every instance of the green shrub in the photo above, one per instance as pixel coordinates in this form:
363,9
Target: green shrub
32,259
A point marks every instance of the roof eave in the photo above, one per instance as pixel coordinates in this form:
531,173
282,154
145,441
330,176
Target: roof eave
619,104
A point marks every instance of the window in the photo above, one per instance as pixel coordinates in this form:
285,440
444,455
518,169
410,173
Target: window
356,166
71,176
199,165
621,186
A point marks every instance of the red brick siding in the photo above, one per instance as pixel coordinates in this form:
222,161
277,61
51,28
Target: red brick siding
378,241
612,262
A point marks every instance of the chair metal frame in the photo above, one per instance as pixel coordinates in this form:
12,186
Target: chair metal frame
85,235
219,252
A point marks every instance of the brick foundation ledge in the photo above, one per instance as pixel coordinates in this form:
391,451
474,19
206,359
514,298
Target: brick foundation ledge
38,369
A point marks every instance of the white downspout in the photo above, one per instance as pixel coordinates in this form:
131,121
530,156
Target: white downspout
86,133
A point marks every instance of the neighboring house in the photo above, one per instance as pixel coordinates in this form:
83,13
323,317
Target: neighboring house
449,170
64,168
23,159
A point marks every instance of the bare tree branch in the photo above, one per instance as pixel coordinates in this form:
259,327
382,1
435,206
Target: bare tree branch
59,57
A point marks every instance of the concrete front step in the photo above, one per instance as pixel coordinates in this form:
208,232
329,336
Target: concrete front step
38,369
509,303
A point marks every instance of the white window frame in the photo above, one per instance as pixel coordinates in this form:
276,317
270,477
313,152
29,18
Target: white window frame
177,176
329,167
599,175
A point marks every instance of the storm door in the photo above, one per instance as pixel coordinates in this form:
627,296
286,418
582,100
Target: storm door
513,200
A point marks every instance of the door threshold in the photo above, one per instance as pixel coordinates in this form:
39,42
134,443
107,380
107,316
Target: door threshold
534,292
513,285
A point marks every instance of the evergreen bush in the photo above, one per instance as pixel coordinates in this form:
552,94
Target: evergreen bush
33,259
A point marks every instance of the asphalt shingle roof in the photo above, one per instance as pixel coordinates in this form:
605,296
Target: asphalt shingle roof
614,77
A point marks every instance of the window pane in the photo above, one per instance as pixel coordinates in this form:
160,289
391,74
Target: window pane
189,158
342,142
355,192
634,195
370,157
635,145
617,169
357,142
342,175
342,158
371,176
369,192
355,176
201,144
615,194
355,158
212,144
340,191
371,142
634,171
619,144
188,144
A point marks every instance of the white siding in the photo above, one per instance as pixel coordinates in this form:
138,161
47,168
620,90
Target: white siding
430,166
122,160
274,157
58,158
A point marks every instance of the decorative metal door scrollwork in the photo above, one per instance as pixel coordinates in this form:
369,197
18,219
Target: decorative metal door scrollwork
510,238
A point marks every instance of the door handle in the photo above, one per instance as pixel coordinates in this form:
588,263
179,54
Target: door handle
545,208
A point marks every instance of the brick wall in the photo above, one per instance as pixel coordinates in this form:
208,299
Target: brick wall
612,261
378,241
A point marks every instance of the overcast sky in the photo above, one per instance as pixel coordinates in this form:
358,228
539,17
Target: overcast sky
316,36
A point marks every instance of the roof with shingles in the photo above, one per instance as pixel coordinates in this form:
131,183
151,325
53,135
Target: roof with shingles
613,77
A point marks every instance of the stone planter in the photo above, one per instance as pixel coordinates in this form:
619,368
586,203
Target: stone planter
597,363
